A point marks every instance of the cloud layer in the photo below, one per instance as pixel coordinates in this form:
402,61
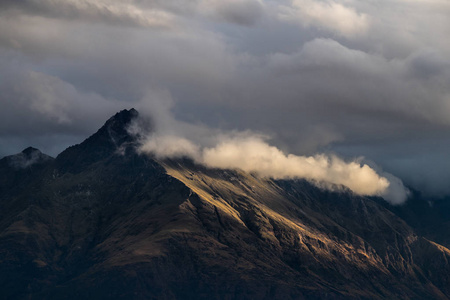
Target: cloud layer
329,15
356,78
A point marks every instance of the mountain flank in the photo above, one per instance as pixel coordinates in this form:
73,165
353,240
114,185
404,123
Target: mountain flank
101,221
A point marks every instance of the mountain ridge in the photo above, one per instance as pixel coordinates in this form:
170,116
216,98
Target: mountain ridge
98,223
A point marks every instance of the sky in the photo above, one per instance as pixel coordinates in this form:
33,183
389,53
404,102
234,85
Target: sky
365,81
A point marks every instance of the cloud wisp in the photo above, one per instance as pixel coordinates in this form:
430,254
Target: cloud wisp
253,154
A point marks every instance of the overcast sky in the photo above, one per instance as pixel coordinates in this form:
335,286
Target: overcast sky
354,78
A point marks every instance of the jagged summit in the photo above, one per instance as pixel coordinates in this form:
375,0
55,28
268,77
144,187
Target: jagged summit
119,122
125,115
112,138
115,130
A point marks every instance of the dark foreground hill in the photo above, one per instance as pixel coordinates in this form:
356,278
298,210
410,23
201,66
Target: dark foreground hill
103,222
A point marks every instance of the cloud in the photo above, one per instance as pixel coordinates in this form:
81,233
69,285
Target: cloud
252,154
421,162
171,146
148,14
334,76
108,11
241,12
249,151
328,72
329,15
44,100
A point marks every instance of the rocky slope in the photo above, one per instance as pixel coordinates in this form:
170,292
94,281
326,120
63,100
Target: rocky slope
103,222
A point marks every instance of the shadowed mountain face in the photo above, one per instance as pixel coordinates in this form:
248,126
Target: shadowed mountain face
103,222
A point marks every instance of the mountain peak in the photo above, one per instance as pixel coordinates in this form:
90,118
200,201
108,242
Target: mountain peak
113,137
28,157
116,127
122,118
30,151
115,130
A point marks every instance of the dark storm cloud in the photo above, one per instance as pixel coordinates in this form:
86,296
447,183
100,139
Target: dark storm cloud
339,76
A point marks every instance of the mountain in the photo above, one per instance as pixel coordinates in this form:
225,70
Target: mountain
101,221
429,216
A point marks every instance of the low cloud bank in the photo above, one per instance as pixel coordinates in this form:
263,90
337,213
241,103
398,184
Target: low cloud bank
253,154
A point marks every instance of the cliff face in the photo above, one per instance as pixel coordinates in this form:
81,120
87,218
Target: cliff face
103,222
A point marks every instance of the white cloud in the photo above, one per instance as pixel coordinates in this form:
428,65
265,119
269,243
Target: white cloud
171,146
254,155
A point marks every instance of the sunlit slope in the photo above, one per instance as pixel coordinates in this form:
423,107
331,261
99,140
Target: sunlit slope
332,240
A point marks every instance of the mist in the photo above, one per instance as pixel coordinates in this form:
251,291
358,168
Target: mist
252,153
